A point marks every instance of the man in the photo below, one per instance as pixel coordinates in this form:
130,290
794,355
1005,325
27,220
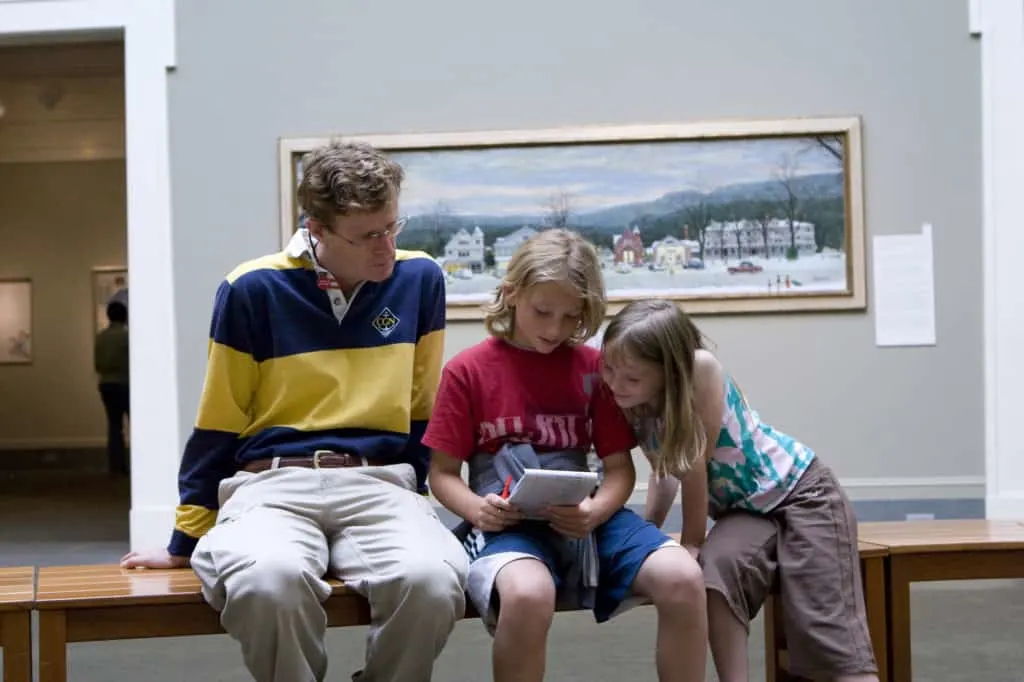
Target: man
110,360
323,367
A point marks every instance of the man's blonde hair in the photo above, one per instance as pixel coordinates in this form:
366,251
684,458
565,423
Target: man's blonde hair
342,177
553,255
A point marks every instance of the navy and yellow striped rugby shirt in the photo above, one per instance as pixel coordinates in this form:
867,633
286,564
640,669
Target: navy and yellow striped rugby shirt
285,378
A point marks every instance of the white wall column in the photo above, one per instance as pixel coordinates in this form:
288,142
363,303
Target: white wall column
149,51
1001,25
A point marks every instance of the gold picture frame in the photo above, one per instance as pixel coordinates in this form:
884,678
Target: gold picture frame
737,216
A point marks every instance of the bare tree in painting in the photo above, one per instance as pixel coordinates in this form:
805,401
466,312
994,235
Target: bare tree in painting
833,144
559,208
733,219
785,174
440,218
835,147
764,221
697,216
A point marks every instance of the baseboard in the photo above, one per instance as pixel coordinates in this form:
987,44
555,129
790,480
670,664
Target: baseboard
151,524
67,443
883,499
915,487
55,458
900,488
1005,507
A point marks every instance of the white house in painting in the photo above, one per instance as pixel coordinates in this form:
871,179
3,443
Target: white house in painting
465,250
505,246
745,238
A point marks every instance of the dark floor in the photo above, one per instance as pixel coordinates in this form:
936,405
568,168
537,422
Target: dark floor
962,631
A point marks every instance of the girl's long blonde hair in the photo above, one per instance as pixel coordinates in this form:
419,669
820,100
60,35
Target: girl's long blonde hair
658,332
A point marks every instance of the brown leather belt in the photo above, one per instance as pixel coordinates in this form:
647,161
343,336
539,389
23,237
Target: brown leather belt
321,459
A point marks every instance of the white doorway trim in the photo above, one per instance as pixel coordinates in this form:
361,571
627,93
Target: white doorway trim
1001,26
148,29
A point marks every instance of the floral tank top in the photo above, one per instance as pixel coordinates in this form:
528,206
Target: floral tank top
753,466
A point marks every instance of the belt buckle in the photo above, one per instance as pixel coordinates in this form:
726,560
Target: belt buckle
316,457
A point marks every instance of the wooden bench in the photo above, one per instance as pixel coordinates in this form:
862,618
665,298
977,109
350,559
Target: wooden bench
99,603
104,602
872,565
939,550
17,593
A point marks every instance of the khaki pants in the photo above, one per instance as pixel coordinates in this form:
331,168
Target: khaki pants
280,531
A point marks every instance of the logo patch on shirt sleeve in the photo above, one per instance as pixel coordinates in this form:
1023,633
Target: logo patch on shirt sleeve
385,322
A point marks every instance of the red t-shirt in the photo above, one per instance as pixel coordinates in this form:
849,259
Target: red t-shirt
495,393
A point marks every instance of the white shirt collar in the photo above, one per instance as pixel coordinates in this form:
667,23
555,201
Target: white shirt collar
300,247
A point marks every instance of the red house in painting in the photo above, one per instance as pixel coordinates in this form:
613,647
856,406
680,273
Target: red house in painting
629,247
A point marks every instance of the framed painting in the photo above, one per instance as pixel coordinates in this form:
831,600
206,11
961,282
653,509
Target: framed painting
109,282
723,217
16,322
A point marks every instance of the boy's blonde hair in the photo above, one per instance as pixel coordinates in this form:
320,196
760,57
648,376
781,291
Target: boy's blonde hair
552,255
658,332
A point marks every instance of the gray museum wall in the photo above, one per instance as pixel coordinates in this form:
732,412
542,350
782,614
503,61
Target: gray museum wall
900,425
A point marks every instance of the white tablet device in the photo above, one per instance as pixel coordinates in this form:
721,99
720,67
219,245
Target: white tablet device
539,488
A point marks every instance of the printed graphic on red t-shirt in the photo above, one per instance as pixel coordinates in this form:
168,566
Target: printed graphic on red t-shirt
495,393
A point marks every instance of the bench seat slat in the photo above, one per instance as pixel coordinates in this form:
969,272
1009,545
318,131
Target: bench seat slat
17,588
956,535
108,585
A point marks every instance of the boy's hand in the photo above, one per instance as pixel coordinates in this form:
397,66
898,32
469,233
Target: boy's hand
496,514
574,522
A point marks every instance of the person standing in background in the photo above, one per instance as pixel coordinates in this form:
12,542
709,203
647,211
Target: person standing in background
121,293
110,359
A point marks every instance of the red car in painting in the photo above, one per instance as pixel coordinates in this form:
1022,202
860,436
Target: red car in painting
744,266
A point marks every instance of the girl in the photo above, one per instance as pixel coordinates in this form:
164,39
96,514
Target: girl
531,396
776,506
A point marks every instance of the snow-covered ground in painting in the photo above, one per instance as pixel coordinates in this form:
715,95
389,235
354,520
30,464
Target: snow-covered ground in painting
823,272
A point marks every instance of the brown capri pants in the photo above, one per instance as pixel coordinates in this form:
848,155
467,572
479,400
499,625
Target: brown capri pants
810,542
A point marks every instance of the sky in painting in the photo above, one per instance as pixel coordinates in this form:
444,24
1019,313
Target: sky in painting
513,181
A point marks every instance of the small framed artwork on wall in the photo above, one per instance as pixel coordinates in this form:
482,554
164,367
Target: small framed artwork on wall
109,283
16,322
734,216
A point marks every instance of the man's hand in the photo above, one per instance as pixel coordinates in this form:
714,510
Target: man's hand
574,522
496,514
155,558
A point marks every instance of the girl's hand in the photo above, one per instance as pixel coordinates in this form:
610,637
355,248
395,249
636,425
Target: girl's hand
496,514
574,522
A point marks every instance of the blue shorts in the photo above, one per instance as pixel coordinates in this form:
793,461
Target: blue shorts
623,544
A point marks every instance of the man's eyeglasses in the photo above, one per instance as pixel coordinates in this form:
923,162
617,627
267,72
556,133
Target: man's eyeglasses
392,230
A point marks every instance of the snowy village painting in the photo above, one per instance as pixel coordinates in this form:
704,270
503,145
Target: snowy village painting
751,216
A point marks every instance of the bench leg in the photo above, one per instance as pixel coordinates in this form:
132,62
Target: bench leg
875,602
774,641
16,639
899,664
53,646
